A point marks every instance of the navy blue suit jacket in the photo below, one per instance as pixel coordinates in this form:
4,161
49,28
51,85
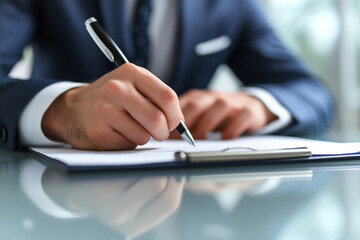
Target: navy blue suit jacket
63,50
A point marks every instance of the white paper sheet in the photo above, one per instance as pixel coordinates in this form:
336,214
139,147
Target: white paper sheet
163,152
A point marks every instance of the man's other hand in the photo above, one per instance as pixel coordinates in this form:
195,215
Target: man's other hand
232,114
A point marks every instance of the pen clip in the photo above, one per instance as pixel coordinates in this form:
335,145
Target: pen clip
97,40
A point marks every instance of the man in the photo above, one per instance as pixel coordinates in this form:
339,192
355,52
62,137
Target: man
181,42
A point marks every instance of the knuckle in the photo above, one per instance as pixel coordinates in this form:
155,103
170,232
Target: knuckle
223,105
111,85
127,68
121,89
157,119
159,127
133,70
193,92
222,102
114,87
193,106
169,97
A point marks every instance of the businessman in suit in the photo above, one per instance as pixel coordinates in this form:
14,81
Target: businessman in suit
182,42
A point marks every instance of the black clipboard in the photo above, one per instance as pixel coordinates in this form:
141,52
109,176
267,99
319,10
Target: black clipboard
345,159
185,160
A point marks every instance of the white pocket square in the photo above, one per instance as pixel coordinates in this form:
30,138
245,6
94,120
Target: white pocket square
213,46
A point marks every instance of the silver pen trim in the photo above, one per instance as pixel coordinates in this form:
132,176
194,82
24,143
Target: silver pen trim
188,138
97,40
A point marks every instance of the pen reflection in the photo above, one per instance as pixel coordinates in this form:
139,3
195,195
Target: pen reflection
129,206
216,187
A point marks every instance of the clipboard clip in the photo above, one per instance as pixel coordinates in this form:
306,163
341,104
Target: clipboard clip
251,155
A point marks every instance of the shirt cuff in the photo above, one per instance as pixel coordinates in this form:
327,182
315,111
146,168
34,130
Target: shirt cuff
30,119
284,116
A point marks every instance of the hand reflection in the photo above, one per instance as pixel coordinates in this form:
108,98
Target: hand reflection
129,206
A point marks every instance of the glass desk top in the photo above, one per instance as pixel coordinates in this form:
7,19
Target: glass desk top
282,202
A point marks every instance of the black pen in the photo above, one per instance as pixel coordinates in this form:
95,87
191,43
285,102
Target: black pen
115,55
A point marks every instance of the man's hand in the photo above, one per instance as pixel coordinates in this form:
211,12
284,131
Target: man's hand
230,113
130,206
121,110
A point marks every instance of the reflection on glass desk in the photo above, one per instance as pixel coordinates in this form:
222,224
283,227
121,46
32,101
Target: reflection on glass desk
297,201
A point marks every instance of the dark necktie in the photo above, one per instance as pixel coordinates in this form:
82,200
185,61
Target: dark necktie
140,27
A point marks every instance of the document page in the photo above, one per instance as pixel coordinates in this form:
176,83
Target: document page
164,152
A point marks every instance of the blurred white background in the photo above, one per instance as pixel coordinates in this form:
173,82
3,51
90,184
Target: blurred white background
325,34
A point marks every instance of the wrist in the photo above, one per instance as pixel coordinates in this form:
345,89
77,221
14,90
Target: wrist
283,116
268,115
53,123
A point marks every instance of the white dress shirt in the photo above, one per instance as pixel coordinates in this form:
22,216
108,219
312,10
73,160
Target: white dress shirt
163,22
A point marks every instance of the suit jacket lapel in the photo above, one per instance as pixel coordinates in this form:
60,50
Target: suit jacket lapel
116,20
184,57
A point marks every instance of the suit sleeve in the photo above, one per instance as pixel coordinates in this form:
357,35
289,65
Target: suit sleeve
17,29
261,60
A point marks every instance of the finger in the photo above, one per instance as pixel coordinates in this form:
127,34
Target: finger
160,95
91,196
194,109
137,196
113,140
174,135
192,112
103,138
143,111
126,125
108,203
212,118
157,210
239,124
